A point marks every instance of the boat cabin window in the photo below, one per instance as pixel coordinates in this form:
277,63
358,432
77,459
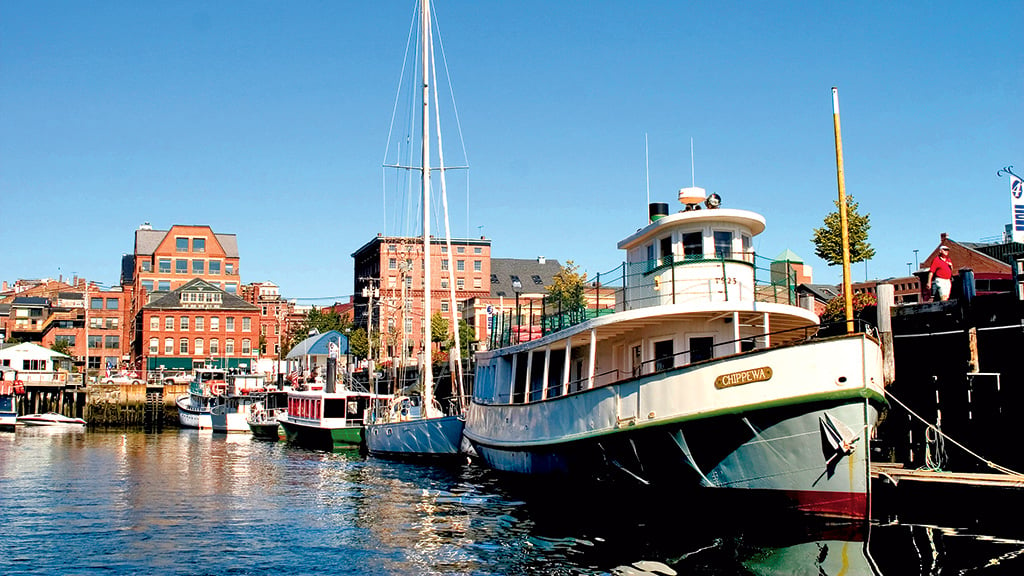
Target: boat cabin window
637,360
748,247
537,376
556,366
693,245
702,348
723,244
664,356
665,247
519,379
334,408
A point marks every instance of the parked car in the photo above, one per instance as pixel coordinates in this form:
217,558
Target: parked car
175,377
122,378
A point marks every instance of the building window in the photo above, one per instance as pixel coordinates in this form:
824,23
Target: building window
183,347
246,324
68,339
181,266
112,303
408,325
199,266
184,323
231,288
477,250
460,265
391,324
147,285
494,278
229,324
199,245
392,264
154,345
229,269
478,265
164,286
215,267
444,305
146,266
112,341
154,323
461,249
214,323
169,323
181,244
246,347
199,324
229,347
164,266
96,303
444,264
199,347
214,347
477,283
169,346
536,280
444,283
460,284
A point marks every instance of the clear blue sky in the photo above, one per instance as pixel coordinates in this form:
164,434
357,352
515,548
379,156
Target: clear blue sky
269,120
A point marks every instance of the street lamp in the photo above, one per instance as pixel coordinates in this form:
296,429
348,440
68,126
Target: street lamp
909,273
916,263
517,287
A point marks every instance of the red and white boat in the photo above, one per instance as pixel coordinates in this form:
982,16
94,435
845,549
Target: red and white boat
49,419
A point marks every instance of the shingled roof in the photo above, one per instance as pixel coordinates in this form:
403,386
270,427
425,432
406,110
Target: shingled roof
534,274
172,300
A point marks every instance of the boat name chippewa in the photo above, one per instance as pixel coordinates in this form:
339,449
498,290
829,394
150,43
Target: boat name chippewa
745,377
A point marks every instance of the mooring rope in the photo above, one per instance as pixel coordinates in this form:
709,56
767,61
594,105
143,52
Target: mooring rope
942,435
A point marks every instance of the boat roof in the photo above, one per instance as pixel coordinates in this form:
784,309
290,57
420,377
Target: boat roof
745,218
317,345
782,317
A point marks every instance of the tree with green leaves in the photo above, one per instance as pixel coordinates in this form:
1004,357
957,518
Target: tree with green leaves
467,335
63,347
358,343
566,292
828,240
317,319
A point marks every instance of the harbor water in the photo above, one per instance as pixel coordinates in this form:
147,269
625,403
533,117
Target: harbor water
190,502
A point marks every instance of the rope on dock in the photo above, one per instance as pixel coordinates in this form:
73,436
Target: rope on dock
932,428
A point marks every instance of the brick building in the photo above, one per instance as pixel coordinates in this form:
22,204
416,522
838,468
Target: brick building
197,324
392,268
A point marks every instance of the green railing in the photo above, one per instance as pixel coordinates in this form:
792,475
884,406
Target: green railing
638,285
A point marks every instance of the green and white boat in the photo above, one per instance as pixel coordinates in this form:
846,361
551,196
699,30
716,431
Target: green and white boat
328,421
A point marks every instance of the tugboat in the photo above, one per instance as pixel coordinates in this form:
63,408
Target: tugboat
692,376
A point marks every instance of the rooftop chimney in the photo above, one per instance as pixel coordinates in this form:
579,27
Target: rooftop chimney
541,259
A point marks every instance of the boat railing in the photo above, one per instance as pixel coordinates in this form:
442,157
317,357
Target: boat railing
528,392
631,286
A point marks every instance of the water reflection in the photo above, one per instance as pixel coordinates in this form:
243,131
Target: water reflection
190,502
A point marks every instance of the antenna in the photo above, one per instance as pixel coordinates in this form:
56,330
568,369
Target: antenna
693,177
647,168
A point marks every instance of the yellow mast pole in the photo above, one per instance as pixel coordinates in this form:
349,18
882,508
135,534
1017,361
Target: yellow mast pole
844,224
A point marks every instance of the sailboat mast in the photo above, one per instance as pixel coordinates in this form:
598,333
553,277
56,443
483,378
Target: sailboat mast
425,172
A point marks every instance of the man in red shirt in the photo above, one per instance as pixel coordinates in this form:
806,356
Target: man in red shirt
940,275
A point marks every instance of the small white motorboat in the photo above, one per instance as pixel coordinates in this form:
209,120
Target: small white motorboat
49,419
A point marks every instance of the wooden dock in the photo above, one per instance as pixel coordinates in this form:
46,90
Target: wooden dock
896,474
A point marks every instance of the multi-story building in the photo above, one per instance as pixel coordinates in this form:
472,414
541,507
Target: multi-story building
163,261
197,324
391,268
275,317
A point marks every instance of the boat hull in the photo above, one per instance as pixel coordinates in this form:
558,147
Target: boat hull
322,438
798,436
425,437
8,415
266,430
50,419
191,415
